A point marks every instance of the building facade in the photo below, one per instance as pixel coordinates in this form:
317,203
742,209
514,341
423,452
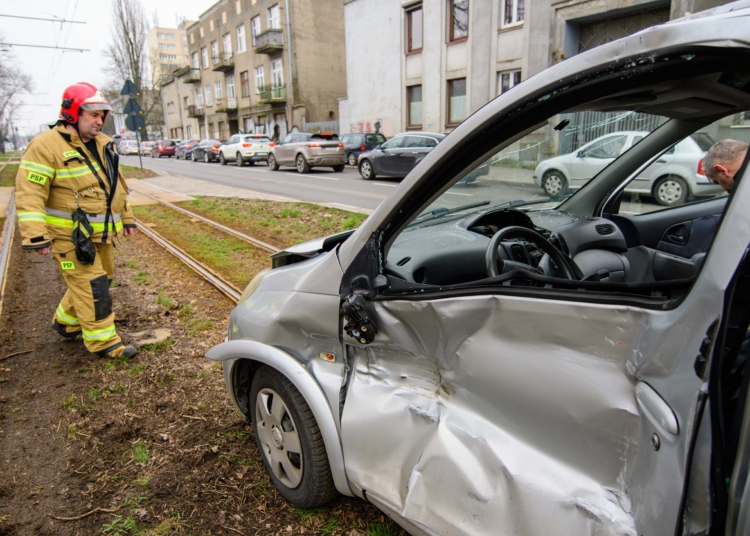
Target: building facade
167,50
429,64
263,66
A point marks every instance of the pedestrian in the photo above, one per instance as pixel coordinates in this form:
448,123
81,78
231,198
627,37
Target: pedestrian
72,202
276,134
723,161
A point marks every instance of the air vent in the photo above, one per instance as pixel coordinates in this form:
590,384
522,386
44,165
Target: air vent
403,261
519,252
605,229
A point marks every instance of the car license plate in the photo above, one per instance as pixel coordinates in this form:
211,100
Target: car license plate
331,148
261,154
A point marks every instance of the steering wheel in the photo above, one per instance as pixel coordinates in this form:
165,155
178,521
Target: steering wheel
492,258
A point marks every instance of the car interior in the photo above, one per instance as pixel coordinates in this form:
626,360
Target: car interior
596,241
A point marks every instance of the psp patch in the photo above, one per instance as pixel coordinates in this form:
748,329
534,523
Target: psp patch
71,154
37,178
67,265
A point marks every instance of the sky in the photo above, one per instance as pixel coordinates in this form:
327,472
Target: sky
52,71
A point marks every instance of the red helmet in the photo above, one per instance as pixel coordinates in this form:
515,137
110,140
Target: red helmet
82,96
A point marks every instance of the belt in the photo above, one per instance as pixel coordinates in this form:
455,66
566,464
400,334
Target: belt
93,218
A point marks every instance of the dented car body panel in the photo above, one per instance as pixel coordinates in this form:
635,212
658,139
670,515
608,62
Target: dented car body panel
487,410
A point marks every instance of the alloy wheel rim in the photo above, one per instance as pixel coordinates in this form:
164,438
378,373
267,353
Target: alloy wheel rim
300,165
366,169
352,159
554,184
239,160
279,438
670,191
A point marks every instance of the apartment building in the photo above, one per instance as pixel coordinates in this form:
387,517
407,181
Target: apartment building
167,50
429,64
263,66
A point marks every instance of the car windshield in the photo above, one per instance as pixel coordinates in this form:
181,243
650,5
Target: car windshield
374,138
256,139
564,153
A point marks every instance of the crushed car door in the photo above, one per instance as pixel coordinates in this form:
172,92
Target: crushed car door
505,414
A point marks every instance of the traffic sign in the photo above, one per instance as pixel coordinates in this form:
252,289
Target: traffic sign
134,122
132,107
129,88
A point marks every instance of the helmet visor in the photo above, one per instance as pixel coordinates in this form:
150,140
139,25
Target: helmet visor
96,106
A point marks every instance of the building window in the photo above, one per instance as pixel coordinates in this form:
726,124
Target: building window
459,19
260,79
227,45
260,125
456,101
277,73
255,22
507,80
230,87
215,50
241,45
192,39
249,125
209,98
274,21
164,36
414,94
218,90
186,101
245,83
222,133
414,29
512,12
170,107
166,46
167,56
198,98
204,57
195,60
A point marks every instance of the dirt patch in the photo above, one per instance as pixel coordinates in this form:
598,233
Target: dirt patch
135,172
153,441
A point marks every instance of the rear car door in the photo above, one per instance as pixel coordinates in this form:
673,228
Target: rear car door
415,149
385,160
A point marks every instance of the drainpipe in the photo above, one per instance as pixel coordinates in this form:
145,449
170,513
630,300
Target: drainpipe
289,47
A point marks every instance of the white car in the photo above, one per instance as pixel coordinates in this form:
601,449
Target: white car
146,147
128,147
676,176
242,148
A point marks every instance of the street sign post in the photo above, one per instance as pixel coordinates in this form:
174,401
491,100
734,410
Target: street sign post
134,115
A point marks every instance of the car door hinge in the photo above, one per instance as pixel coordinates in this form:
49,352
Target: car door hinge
701,360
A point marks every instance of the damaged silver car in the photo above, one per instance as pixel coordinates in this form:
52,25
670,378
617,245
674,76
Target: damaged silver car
486,359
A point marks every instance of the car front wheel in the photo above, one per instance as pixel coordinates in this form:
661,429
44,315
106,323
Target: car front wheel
302,165
222,160
352,159
670,191
554,183
206,159
365,169
290,442
272,163
192,157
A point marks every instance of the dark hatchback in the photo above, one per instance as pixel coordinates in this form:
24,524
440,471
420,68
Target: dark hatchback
185,149
206,151
399,155
356,144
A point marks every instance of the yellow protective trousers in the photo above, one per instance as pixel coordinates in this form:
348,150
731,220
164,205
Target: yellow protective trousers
86,308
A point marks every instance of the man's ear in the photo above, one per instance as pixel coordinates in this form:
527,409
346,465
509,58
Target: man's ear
721,168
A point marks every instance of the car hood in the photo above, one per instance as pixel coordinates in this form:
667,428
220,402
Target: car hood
311,248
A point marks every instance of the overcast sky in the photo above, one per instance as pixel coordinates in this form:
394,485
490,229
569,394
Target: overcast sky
54,70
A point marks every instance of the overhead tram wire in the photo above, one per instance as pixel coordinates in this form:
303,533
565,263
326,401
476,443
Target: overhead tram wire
37,18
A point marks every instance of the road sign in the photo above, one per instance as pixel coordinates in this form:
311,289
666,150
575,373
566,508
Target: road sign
134,122
132,107
129,88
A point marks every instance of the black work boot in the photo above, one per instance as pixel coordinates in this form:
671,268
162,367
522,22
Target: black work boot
118,351
62,329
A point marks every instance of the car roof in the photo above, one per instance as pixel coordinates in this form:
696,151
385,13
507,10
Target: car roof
418,133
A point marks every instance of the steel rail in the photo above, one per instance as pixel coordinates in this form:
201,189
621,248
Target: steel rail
209,275
7,239
224,228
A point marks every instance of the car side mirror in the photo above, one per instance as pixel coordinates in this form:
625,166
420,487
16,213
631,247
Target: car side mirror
580,154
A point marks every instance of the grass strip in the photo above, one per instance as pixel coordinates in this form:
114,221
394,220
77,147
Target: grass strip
8,175
135,172
232,258
277,223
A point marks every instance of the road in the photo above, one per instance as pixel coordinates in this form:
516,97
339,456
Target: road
323,185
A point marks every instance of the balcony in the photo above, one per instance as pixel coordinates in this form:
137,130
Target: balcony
269,42
191,75
223,63
194,111
272,94
230,106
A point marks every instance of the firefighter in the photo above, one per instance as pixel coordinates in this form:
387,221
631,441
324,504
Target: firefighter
72,202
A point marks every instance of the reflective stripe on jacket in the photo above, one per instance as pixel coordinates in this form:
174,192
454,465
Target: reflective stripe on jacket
54,179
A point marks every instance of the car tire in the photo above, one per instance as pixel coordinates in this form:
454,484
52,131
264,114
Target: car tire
302,165
554,183
222,160
192,157
238,160
670,191
303,478
206,159
365,170
272,164
352,158
339,168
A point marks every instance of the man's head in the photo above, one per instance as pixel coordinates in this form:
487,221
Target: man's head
723,161
85,108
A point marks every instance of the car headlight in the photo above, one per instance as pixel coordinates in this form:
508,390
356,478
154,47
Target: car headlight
253,285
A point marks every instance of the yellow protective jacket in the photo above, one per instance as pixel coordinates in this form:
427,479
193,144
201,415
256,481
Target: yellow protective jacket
54,179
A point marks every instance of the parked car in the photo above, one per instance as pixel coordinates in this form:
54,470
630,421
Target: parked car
304,151
245,149
671,180
511,363
146,147
399,155
206,151
184,149
128,147
356,144
163,148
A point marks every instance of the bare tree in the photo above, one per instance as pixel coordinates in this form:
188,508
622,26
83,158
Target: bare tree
13,84
129,58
